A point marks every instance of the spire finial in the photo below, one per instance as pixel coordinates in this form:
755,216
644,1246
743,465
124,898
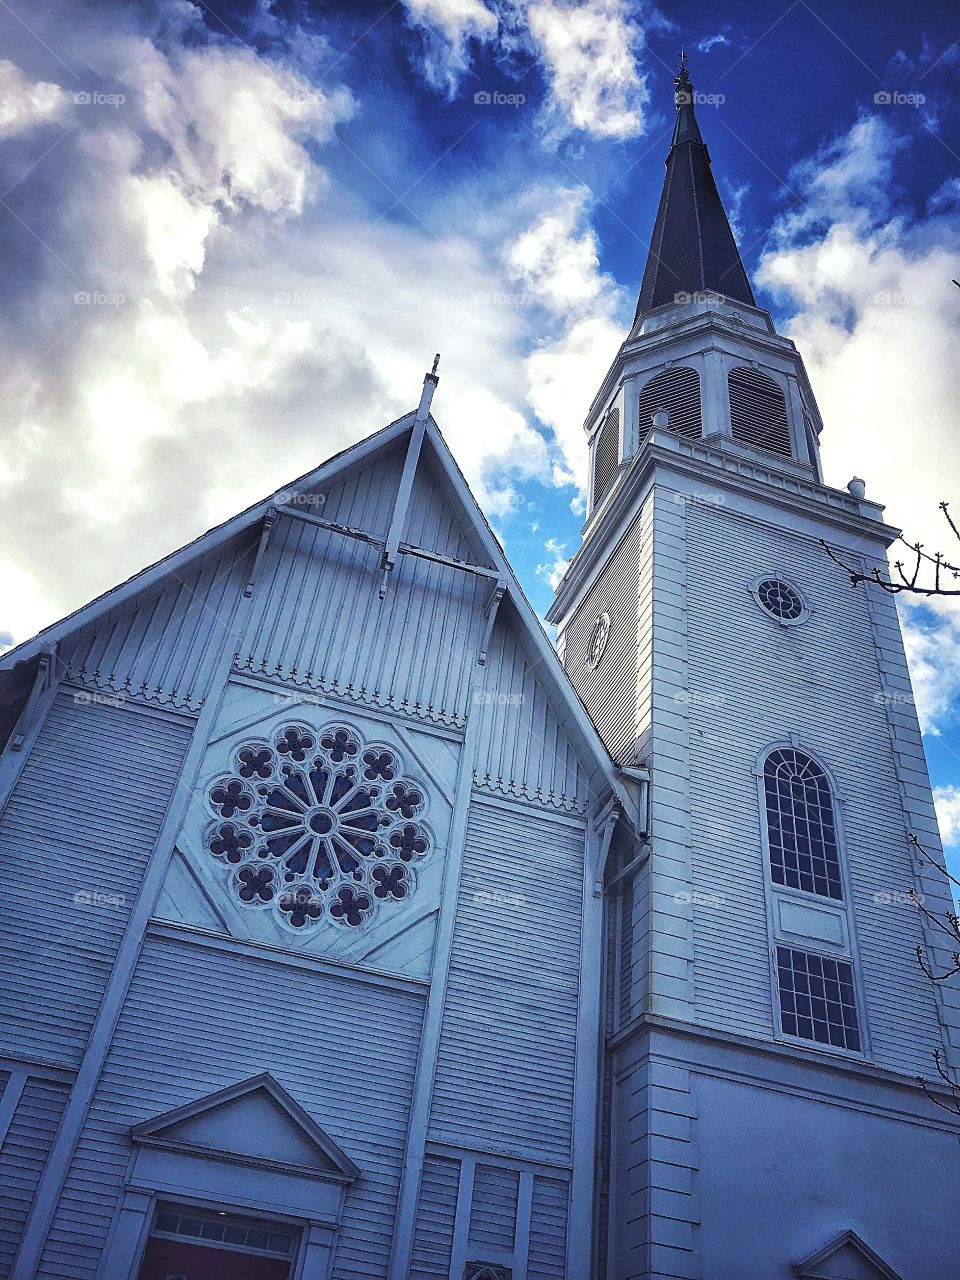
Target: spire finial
686,129
684,93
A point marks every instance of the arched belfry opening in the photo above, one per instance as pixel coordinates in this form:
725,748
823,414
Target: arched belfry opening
606,456
677,391
758,412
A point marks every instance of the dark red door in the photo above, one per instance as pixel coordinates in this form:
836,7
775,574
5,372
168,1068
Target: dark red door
180,1260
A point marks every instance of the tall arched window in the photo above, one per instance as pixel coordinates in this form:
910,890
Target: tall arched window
758,412
677,391
801,824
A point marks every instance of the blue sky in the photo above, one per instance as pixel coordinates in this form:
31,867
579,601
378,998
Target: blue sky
237,233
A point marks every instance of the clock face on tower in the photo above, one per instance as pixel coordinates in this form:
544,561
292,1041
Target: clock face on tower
598,639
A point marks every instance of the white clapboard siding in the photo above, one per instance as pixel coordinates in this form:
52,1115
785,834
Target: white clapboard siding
75,837
318,622
197,1020
161,645
493,1213
22,1158
506,1009
524,748
548,1229
436,1219
610,690
751,683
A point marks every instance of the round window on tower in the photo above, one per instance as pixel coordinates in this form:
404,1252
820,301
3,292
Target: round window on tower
598,640
781,600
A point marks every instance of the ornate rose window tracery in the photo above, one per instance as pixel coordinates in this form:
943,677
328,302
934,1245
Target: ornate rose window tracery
318,825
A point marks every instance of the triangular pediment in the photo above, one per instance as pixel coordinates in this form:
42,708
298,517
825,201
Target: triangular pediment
254,1122
845,1258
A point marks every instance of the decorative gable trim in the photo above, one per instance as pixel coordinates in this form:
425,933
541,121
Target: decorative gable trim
156,1132
811,1267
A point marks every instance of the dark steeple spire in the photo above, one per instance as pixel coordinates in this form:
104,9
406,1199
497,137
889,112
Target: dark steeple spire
692,249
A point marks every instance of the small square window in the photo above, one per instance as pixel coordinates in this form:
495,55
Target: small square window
816,999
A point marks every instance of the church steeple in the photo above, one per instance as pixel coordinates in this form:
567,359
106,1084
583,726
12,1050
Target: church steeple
692,249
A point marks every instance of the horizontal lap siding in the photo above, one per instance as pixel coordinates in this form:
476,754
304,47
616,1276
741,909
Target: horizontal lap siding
610,691
752,682
436,1219
81,822
493,1213
548,1230
22,1157
507,1051
196,1021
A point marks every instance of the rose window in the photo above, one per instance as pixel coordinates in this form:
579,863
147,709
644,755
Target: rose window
318,826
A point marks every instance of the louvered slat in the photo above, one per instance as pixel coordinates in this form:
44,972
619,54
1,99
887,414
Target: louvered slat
677,391
758,412
607,455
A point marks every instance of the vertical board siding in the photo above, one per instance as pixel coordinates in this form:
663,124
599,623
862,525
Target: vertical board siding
524,749
75,838
436,1219
493,1214
752,682
197,1020
319,622
363,497
435,519
22,1158
610,690
548,1230
507,1011
162,644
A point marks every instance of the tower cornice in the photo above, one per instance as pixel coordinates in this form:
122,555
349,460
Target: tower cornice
717,467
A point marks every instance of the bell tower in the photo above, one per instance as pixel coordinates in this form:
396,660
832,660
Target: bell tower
765,1015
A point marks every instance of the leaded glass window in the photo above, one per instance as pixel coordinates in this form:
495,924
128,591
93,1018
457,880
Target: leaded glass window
318,825
801,824
780,599
817,999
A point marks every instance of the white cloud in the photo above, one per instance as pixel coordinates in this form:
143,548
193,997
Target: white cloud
448,27
876,319
587,51
556,258
932,642
555,566
711,42
947,801
25,103
589,55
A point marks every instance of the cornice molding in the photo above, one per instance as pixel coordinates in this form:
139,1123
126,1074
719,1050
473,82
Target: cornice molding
707,464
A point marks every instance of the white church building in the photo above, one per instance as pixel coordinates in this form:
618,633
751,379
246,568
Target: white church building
352,931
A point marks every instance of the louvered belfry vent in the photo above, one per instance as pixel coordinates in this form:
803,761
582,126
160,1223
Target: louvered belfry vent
758,412
607,456
677,391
